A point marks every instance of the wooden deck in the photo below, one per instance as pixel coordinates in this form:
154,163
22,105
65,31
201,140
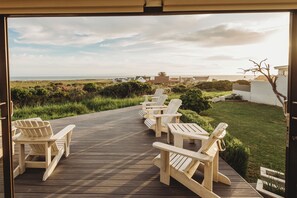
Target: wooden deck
111,156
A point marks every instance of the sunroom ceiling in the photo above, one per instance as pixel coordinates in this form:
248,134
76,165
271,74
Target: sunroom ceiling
23,7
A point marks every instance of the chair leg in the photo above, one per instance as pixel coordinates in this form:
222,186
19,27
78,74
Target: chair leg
194,186
165,168
52,165
158,127
22,166
67,144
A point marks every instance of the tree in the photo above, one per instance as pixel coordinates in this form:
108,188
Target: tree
194,100
162,74
264,68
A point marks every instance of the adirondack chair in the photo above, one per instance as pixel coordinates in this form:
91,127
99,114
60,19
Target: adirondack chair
149,107
43,143
158,122
181,164
154,97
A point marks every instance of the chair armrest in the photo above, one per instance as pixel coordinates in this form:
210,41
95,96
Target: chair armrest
173,149
191,135
155,97
147,103
63,132
157,107
168,115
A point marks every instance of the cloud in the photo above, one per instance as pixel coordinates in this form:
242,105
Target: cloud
225,58
225,35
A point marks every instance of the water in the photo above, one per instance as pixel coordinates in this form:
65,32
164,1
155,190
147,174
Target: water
32,78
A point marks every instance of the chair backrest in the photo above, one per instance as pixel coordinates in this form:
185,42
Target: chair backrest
172,108
211,146
159,92
161,100
32,128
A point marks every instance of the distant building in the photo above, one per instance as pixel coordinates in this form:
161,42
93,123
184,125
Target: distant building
161,80
140,79
201,78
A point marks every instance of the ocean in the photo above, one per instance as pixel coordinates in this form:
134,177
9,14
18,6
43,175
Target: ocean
33,78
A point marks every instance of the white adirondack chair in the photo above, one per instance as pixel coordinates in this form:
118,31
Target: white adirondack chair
39,136
158,122
149,107
155,96
181,164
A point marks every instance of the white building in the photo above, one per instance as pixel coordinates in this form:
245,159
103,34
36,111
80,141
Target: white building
260,91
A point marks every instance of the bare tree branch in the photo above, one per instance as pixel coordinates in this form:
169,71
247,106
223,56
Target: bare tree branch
264,69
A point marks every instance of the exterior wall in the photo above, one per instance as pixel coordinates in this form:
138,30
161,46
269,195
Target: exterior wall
261,91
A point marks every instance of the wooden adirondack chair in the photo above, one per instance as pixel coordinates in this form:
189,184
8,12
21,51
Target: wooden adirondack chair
181,164
43,143
149,107
154,97
158,122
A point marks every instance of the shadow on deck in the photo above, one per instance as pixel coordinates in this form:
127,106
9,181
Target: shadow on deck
111,156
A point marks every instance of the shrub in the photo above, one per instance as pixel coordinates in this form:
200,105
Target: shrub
179,89
126,89
236,153
194,100
90,87
221,85
190,116
242,82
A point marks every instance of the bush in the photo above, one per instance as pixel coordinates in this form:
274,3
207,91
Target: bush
179,89
236,153
190,116
90,87
242,82
221,85
194,101
126,89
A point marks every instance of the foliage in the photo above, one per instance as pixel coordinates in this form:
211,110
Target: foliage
234,97
100,104
189,116
126,89
236,153
90,87
194,100
243,82
54,111
162,74
221,85
179,89
50,111
260,127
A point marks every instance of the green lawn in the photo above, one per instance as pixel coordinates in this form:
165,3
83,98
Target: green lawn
261,127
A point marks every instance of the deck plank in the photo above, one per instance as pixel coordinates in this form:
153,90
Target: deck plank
111,156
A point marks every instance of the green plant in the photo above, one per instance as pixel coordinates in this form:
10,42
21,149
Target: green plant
126,89
90,87
221,85
179,89
236,154
194,100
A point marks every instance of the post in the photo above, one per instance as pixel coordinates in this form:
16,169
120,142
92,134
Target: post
5,110
291,144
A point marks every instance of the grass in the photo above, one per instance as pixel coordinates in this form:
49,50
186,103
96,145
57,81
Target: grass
208,94
261,127
55,111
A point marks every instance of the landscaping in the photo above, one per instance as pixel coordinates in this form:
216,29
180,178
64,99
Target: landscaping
260,127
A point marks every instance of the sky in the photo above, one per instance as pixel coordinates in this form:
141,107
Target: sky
205,44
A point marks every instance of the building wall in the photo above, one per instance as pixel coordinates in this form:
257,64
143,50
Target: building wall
261,91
